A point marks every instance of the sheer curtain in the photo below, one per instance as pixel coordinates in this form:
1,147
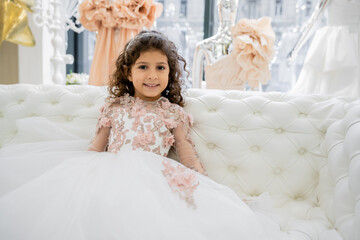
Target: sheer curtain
69,10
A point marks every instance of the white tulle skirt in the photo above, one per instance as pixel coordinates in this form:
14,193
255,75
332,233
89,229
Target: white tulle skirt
332,64
57,190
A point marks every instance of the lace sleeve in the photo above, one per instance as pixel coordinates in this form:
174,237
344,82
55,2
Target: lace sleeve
184,145
102,131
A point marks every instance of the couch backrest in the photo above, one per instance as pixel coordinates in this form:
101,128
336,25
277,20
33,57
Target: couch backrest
75,108
342,143
252,142
259,142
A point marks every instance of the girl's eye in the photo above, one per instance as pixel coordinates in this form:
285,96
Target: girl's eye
161,67
142,67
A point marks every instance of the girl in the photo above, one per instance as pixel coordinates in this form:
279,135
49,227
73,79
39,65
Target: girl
147,84
126,187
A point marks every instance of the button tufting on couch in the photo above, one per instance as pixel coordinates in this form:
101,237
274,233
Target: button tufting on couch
304,151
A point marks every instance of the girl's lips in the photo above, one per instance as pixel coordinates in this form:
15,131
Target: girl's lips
151,85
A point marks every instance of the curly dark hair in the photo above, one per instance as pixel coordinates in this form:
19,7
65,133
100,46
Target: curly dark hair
147,41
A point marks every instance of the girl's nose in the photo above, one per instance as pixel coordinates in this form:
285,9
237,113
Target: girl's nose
152,75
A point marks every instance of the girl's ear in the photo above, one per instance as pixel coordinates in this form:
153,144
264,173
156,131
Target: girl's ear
127,73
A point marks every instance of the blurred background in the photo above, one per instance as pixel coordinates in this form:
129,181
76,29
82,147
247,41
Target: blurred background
188,22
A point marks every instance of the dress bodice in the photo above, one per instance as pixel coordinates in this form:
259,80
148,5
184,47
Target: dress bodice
138,124
344,12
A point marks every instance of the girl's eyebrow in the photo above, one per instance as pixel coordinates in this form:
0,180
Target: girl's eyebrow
148,63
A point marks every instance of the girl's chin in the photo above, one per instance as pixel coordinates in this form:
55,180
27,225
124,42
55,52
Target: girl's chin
149,97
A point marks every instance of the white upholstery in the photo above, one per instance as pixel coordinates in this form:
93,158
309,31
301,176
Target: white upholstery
303,150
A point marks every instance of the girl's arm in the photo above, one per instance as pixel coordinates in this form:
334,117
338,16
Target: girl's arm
185,148
100,141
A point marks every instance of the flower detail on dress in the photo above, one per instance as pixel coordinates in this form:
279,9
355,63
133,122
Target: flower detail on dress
138,110
181,180
105,117
146,125
144,140
157,150
168,141
105,122
165,104
253,42
170,123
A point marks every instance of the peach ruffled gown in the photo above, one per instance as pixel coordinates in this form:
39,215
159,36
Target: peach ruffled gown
253,43
116,22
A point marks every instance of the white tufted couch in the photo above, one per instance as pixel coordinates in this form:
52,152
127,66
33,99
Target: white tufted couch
304,151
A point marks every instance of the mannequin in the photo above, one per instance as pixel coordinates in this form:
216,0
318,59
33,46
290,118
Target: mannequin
332,63
308,30
217,46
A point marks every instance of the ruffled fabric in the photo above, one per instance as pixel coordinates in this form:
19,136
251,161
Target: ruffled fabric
332,63
224,74
253,49
253,45
130,14
73,194
116,22
325,54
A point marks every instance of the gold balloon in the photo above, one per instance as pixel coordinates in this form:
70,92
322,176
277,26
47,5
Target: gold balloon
14,22
27,4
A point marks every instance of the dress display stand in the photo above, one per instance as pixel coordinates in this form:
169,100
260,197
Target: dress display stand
332,63
238,56
211,49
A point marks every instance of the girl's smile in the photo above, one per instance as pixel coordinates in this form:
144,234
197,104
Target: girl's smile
150,75
151,85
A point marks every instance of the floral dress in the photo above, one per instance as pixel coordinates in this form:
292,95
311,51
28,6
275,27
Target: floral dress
130,191
153,126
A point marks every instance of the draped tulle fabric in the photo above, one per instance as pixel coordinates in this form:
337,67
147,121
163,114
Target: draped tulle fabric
52,188
332,63
116,22
253,48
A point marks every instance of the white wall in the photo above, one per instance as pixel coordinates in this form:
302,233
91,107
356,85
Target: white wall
35,62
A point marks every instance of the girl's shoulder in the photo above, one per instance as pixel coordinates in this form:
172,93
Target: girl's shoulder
165,104
180,114
113,102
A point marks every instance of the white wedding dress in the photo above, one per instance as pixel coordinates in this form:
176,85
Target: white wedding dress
54,189
332,64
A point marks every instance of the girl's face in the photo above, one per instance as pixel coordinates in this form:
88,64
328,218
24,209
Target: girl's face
150,75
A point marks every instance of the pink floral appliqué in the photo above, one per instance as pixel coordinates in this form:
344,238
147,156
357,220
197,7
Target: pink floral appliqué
170,123
181,180
138,110
165,104
105,122
144,140
168,141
